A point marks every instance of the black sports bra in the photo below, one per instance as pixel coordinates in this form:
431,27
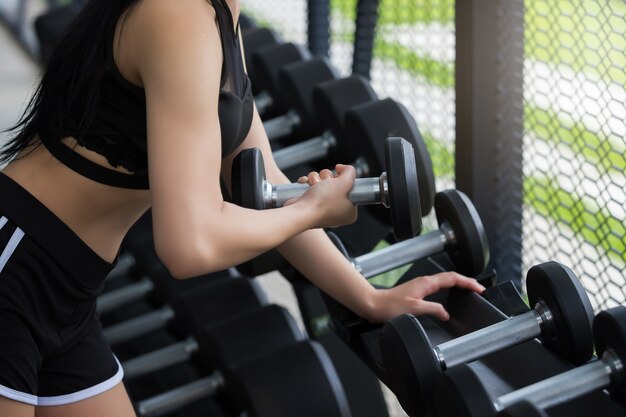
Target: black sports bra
119,130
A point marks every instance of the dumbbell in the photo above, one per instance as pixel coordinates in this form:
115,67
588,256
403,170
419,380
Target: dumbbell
234,338
267,63
461,393
522,409
188,310
331,100
397,188
297,380
461,234
297,81
561,318
253,40
356,133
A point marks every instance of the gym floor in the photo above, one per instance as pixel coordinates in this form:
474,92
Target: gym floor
18,76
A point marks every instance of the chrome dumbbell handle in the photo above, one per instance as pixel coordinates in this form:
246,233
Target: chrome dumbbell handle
496,337
309,150
263,101
282,126
113,299
161,358
176,398
403,253
138,326
566,386
364,191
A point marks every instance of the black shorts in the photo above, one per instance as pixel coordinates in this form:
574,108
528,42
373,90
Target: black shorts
52,350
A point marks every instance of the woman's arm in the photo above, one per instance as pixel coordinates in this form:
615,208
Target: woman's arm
177,54
316,257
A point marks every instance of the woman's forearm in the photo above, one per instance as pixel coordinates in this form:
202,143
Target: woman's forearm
228,235
316,257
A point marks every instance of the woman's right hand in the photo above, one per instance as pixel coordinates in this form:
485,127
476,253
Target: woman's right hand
329,196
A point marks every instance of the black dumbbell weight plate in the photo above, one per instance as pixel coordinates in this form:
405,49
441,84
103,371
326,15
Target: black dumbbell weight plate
367,126
459,392
412,371
195,308
269,60
424,165
304,378
248,176
255,39
471,251
567,300
246,335
332,99
403,189
298,81
609,330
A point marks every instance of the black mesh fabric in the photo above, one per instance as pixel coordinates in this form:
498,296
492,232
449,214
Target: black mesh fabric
119,130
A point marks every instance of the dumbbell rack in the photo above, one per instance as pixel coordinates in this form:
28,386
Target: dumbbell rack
501,372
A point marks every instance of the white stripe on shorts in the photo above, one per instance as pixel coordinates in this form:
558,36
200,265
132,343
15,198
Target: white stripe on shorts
10,248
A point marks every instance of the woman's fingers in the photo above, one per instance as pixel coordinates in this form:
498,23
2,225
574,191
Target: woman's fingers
432,309
433,283
314,177
347,170
326,174
409,296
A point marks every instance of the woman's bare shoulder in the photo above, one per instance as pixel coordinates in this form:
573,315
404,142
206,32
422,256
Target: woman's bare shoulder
163,27
152,21
159,11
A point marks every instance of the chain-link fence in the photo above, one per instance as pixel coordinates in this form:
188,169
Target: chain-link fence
413,59
574,142
574,115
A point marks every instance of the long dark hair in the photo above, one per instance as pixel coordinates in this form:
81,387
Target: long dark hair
72,78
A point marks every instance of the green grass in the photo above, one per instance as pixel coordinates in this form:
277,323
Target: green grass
606,154
583,36
582,214
437,73
441,156
399,12
588,38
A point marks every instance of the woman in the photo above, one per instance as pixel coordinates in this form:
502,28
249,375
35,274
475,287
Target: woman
144,89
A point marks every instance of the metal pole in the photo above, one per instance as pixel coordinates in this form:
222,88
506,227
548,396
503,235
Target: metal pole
489,122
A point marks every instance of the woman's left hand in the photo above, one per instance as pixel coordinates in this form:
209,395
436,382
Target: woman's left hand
409,297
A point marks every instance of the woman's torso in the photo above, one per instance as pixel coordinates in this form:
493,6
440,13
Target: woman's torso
99,214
